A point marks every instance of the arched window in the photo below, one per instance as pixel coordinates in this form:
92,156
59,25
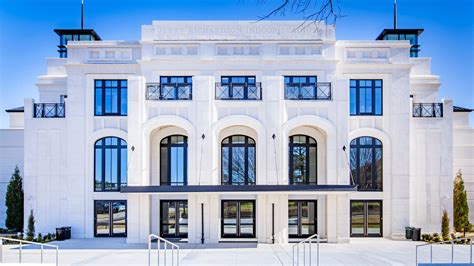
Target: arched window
174,161
110,168
238,161
366,163
302,157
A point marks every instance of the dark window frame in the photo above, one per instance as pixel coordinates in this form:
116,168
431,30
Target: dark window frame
169,146
103,88
306,145
238,224
176,224
103,147
300,223
245,84
307,82
366,234
355,144
188,80
111,229
246,146
357,88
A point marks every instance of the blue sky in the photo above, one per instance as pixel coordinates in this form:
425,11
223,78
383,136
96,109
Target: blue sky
27,37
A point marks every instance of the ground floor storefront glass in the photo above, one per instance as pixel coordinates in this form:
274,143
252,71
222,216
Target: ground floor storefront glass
302,218
174,218
366,218
110,218
238,219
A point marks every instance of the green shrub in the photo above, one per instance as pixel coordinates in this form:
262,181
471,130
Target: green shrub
30,234
445,225
460,206
14,202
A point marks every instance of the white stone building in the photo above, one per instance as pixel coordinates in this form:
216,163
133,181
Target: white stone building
226,131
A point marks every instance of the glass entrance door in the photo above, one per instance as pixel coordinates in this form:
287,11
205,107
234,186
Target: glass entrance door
302,218
238,219
110,218
366,218
174,218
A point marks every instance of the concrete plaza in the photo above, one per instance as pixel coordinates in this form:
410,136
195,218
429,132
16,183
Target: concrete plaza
114,251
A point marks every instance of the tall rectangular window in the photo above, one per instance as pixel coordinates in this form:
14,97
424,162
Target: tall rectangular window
366,97
110,97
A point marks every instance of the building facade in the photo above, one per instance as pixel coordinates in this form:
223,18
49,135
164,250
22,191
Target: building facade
229,131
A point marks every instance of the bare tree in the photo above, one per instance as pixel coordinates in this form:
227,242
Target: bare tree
311,11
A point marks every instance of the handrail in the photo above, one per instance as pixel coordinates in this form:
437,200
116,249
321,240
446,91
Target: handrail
308,91
49,110
441,242
428,110
229,91
42,245
165,242
303,242
169,91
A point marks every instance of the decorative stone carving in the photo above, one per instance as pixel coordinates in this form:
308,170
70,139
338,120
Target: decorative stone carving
173,50
120,54
234,49
367,53
289,49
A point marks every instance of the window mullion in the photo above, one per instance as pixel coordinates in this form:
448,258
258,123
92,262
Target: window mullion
103,166
119,164
246,162
168,175
103,96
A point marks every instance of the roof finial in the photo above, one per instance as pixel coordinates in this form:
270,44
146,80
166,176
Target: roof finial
82,15
395,14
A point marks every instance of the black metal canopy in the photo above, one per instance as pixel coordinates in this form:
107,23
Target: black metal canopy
238,189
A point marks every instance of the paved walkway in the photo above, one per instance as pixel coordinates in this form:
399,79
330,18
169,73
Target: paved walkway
115,251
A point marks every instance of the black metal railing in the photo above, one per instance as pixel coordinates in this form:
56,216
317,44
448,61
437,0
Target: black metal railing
49,110
239,91
308,91
169,91
427,110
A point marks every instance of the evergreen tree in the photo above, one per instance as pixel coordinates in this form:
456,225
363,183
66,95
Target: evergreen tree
460,208
445,225
14,202
30,234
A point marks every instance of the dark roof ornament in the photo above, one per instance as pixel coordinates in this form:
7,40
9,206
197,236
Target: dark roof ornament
67,35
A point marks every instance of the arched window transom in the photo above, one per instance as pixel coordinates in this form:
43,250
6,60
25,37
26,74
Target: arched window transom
110,167
238,160
366,163
174,161
302,160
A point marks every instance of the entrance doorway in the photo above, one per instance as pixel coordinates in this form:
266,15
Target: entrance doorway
174,218
366,218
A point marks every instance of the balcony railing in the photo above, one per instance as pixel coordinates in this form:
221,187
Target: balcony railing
49,110
169,91
427,110
309,91
238,91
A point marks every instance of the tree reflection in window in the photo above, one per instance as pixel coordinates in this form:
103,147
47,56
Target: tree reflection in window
238,160
302,160
173,161
366,163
